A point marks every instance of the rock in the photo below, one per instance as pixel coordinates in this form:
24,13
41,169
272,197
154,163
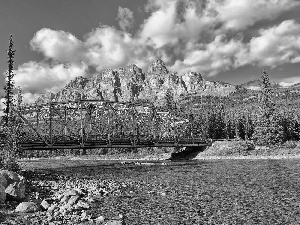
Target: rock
16,190
82,204
73,200
65,199
114,222
83,215
72,193
27,207
52,208
90,200
2,194
45,205
11,177
3,181
100,219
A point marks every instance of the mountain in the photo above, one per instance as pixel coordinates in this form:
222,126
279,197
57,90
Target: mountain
252,85
256,85
131,83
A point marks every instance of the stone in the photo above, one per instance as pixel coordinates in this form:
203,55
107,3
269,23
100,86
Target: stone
90,200
65,199
16,190
44,204
52,208
27,207
82,204
11,176
2,194
83,215
73,200
163,194
100,219
71,193
3,181
114,222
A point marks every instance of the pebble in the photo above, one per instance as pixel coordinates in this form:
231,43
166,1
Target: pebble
100,219
67,196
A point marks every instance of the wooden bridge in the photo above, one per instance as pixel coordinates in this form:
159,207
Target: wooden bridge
86,124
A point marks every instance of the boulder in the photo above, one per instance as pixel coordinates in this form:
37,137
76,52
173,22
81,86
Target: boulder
45,205
73,200
16,191
3,181
11,176
71,193
14,184
27,207
2,194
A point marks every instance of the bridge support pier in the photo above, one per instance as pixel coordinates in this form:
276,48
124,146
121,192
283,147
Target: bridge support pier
186,153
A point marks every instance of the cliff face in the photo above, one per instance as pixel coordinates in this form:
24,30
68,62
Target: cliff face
130,83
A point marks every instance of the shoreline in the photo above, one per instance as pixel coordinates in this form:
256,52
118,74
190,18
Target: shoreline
162,158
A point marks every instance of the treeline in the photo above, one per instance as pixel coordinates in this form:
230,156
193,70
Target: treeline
222,123
264,118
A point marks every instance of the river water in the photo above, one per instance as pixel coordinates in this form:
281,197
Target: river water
206,192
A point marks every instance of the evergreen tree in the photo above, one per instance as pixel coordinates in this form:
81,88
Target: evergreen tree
9,86
170,103
268,130
266,97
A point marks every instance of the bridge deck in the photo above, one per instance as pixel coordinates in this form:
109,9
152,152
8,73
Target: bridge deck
119,143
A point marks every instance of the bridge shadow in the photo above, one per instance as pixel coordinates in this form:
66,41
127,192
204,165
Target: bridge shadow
187,153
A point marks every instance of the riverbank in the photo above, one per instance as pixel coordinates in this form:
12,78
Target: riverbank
175,192
220,150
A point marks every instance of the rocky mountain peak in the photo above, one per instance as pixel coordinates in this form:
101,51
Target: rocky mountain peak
77,82
158,67
131,83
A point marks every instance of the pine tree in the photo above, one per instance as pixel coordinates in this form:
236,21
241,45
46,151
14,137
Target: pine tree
170,103
267,103
268,130
9,87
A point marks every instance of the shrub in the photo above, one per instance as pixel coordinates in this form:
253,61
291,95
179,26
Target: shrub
290,144
9,149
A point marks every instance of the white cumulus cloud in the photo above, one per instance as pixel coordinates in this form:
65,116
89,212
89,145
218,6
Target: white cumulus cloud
58,45
41,77
219,55
174,21
277,45
239,15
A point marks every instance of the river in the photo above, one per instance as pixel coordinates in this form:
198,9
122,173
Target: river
204,192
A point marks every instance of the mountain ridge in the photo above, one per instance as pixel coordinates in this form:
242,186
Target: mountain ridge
130,83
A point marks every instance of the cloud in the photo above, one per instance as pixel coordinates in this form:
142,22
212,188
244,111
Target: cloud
125,18
239,15
174,21
219,55
286,82
201,36
29,97
107,47
58,45
41,77
277,45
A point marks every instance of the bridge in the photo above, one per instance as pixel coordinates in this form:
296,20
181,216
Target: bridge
87,124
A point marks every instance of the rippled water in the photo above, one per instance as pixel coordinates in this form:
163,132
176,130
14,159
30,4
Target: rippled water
206,192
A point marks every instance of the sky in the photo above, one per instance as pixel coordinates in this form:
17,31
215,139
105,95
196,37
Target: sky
225,40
